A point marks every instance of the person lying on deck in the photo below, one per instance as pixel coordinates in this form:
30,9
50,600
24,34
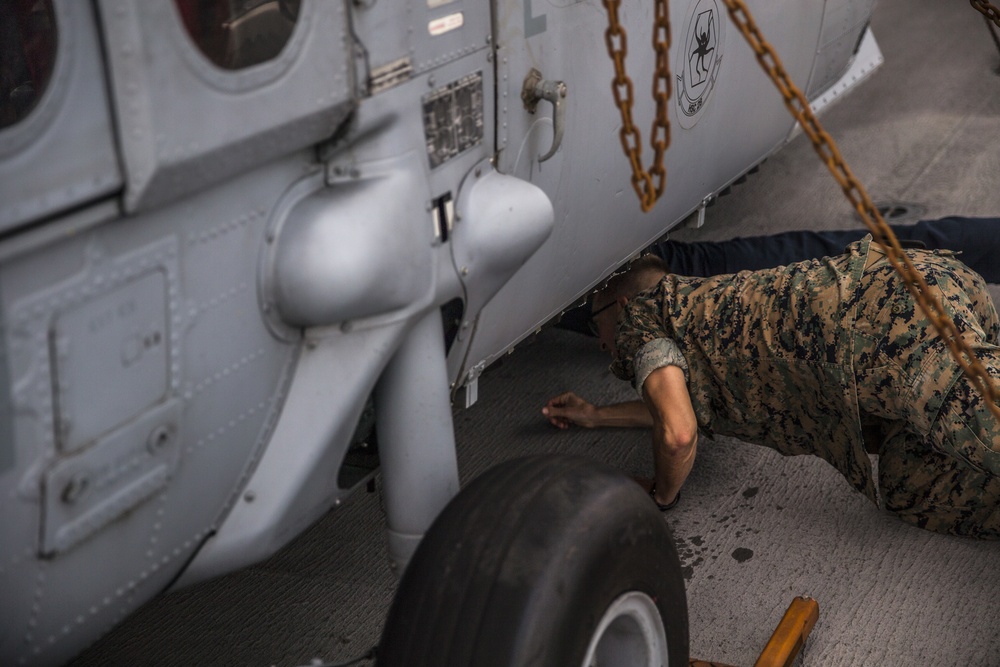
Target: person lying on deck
829,357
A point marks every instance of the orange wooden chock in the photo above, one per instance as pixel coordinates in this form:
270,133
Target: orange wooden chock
791,634
788,638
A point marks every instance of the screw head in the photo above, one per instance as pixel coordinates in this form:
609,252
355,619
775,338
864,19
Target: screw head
76,488
159,438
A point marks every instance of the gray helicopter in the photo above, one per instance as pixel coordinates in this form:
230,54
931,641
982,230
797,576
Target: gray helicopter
239,238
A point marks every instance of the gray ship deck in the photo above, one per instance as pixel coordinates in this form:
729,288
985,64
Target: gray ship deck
923,130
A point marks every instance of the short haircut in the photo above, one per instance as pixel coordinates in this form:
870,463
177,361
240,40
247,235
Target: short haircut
640,275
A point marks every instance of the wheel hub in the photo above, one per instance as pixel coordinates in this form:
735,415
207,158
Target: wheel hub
630,634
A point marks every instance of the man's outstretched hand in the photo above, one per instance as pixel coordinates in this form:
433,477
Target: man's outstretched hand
568,409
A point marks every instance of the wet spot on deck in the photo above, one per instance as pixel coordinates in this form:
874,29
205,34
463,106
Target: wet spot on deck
751,492
742,555
691,554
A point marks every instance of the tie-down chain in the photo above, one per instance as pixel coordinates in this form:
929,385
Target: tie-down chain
617,42
826,148
989,10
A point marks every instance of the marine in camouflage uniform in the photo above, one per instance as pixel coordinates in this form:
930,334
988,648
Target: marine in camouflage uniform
818,356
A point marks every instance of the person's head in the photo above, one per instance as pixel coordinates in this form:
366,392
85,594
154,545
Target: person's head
609,301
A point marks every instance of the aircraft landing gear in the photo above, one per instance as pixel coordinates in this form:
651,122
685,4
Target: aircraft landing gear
548,560
416,437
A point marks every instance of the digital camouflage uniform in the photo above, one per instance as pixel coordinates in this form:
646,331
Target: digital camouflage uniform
815,357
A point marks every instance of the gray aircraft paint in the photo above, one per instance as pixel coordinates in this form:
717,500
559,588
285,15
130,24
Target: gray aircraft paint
533,25
184,364
6,407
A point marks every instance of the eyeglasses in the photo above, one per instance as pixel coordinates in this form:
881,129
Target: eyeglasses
591,322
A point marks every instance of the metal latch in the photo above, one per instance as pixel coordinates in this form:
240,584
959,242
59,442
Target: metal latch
536,89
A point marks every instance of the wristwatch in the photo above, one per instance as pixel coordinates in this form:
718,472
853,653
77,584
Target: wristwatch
660,506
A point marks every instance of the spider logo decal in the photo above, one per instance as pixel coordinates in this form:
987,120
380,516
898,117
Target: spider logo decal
701,58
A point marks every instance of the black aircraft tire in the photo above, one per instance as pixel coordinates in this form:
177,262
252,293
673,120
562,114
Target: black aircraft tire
522,567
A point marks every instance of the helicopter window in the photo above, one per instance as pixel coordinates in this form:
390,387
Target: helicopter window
235,34
27,53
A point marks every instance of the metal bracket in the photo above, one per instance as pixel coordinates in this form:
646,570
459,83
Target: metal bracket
470,390
701,211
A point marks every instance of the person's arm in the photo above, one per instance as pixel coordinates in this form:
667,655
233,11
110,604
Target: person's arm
675,430
646,356
568,409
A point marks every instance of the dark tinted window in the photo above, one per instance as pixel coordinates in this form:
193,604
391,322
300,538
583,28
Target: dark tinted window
235,34
27,53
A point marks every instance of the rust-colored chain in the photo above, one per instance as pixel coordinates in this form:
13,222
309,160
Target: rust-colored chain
989,10
617,41
882,233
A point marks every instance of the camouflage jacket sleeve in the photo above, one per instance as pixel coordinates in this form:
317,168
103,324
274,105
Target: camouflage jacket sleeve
656,354
640,324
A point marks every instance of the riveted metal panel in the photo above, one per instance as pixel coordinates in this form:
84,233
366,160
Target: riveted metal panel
62,153
104,331
117,342
841,17
844,22
453,118
86,492
185,124
124,460
425,34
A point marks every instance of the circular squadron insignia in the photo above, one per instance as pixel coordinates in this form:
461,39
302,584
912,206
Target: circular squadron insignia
699,59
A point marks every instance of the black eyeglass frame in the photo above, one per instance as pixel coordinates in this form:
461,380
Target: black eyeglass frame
595,313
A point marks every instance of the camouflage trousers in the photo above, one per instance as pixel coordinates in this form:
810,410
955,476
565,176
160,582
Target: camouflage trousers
947,482
946,478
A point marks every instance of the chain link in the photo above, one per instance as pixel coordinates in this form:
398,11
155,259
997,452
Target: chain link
989,10
649,185
882,233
